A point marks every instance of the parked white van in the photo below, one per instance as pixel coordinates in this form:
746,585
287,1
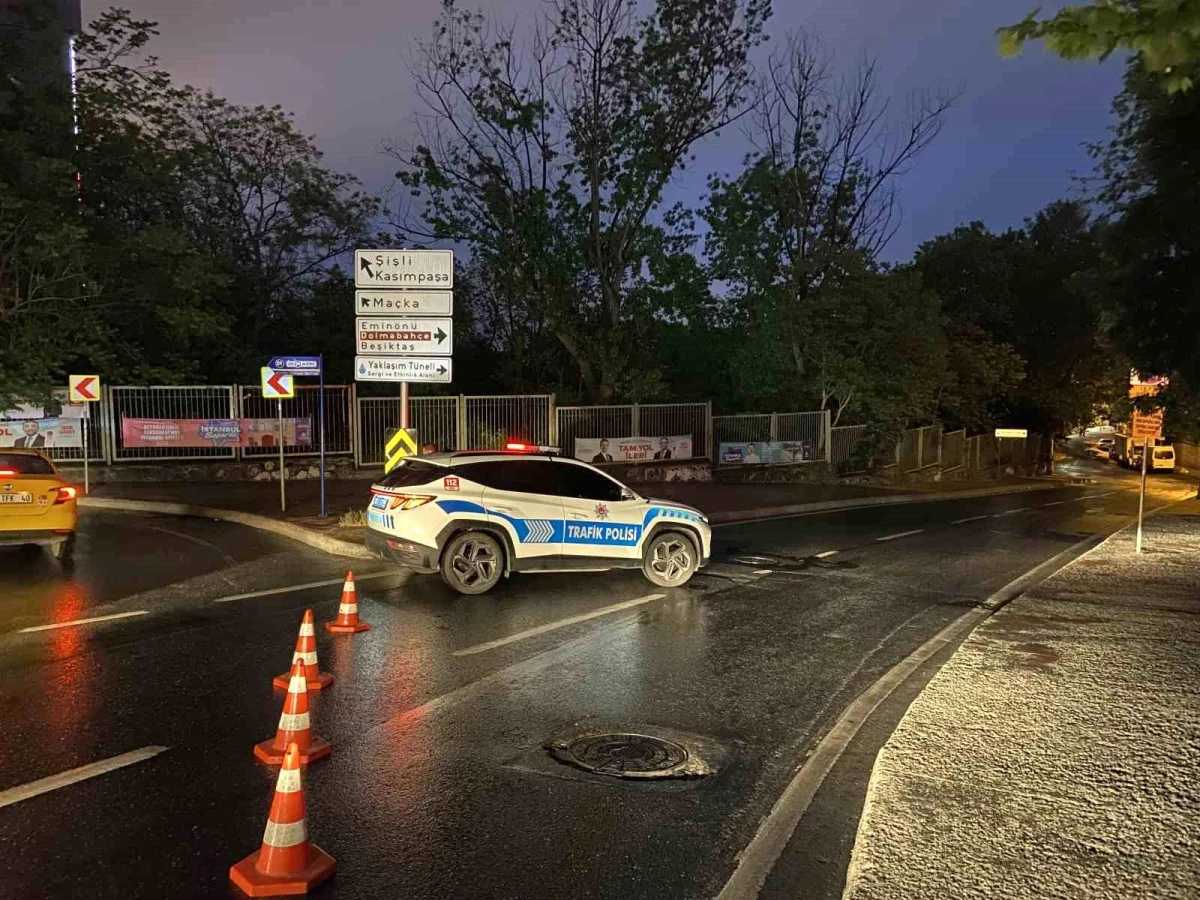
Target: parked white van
1162,459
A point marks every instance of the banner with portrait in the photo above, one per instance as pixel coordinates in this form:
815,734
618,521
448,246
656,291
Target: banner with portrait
753,453
42,434
633,449
214,432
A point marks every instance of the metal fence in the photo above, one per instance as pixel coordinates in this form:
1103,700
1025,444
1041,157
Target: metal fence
434,418
954,448
491,421
594,422
183,402
304,405
850,450
97,431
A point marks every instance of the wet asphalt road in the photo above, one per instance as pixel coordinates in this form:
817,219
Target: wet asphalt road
439,785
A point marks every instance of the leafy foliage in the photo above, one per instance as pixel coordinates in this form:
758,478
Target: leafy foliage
1164,35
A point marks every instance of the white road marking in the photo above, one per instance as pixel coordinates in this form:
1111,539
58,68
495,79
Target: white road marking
825,554
970,519
1009,512
71,776
762,571
553,626
88,621
1055,503
301,587
758,859
892,537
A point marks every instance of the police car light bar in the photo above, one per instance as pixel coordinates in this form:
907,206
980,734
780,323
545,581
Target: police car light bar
517,447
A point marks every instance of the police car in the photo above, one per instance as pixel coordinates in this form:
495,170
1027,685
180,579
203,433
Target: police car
477,516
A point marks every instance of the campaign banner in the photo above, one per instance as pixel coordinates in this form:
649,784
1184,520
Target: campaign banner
42,434
214,432
753,453
633,449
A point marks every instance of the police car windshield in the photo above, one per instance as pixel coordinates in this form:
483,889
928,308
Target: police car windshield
412,472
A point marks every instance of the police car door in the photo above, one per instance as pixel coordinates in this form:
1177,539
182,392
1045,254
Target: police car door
519,496
599,523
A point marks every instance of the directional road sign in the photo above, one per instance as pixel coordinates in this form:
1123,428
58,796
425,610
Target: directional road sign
411,303
404,269
404,336
1012,432
401,444
429,369
83,388
277,385
296,365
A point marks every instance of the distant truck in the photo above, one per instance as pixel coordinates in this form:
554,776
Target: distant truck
1128,452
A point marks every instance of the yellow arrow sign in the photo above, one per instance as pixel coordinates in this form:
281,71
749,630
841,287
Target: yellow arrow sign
402,444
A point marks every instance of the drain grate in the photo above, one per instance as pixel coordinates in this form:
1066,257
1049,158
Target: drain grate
624,755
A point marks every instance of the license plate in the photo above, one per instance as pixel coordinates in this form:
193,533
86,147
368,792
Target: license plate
380,501
16,498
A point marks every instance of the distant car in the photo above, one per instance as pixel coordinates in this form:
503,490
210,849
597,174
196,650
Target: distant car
1102,449
1162,459
476,516
37,506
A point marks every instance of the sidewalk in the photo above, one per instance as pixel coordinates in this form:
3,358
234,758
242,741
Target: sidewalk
1057,753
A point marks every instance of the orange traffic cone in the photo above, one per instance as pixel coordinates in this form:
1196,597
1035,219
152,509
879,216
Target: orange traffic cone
347,619
306,650
295,729
286,864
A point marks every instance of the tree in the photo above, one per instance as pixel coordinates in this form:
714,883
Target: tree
794,237
1164,35
1150,194
549,160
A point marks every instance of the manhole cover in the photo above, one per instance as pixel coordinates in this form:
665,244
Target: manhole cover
624,755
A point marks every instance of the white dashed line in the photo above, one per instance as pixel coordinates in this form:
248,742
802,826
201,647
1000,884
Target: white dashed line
892,537
970,519
1055,503
301,587
825,554
71,776
88,621
1009,512
561,623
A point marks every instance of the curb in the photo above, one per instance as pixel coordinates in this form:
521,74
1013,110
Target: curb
733,517
329,545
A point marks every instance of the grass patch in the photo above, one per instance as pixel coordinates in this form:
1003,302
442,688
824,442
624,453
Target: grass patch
352,517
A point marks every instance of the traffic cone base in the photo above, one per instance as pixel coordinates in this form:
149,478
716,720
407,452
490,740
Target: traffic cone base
267,752
254,883
335,628
323,680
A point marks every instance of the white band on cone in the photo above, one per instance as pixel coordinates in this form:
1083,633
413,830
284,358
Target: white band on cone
289,835
346,609
298,685
309,658
289,781
348,587
294,722
306,630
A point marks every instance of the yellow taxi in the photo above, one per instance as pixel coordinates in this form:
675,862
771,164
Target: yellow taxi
37,506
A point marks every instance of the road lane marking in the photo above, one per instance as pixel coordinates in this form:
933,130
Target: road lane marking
87,621
758,859
892,537
301,587
825,554
554,626
1009,512
970,519
71,776
1055,503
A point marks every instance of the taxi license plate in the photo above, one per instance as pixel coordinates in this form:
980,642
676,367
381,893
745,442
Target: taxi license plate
16,498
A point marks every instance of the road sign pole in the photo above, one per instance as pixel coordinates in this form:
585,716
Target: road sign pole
404,404
282,471
86,484
1142,495
321,413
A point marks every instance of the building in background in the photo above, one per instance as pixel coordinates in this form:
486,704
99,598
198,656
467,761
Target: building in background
50,52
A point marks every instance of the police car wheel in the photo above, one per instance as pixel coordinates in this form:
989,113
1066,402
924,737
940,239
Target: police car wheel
472,563
670,560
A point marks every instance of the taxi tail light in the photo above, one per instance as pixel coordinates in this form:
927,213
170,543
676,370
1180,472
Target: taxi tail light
8,473
65,494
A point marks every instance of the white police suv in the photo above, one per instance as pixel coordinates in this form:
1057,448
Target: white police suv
476,516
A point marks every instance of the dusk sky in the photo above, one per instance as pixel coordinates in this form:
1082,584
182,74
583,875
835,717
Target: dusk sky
1009,147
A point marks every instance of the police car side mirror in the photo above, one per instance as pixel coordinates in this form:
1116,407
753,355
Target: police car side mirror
627,494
